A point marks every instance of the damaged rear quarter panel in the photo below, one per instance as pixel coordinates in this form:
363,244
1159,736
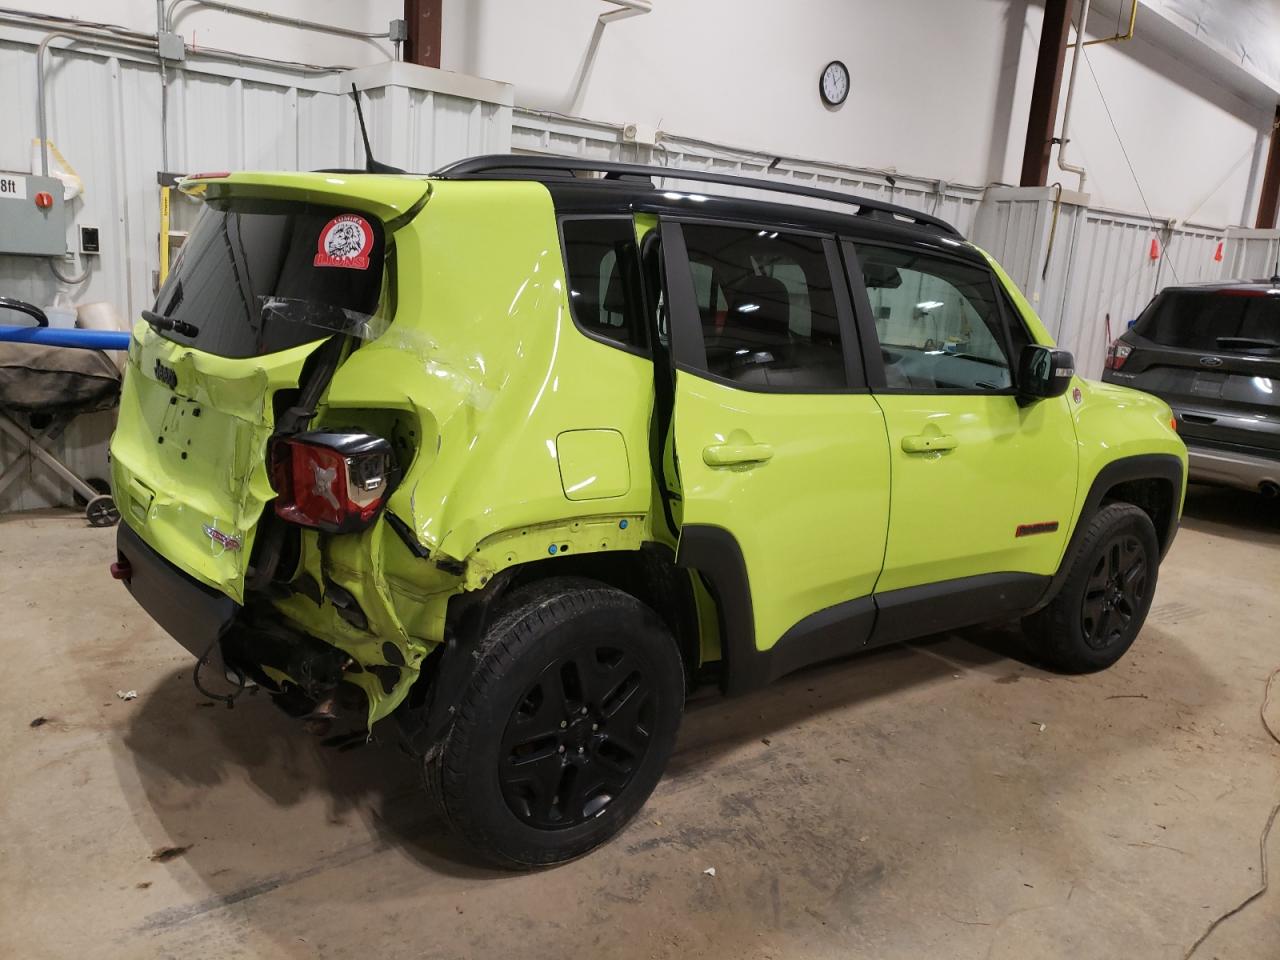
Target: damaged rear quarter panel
484,358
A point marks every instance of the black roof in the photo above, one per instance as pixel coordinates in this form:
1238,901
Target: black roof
1211,286
626,187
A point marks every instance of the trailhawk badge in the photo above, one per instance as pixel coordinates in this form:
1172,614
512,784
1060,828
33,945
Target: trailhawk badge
345,241
225,540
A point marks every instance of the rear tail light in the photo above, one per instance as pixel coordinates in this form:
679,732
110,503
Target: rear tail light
1117,354
335,481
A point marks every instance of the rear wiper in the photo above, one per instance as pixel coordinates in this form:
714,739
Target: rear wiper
1248,343
162,323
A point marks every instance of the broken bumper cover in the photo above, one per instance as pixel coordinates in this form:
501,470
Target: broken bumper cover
193,614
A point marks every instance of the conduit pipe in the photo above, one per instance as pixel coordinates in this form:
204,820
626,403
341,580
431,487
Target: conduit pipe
1133,20
626,8
299,22
1065,137
41,119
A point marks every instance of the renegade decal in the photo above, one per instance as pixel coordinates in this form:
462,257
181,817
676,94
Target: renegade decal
1030,529
345,241
225,540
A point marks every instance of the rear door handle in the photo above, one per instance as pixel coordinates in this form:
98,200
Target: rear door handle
735,454
928,442
1198,418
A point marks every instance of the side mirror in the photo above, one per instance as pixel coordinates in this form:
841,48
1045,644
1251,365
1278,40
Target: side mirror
1043,373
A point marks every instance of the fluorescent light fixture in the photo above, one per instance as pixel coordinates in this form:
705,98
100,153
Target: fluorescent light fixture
929,304
749,308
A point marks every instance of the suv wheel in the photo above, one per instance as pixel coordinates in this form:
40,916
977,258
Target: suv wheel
1096,615
565,727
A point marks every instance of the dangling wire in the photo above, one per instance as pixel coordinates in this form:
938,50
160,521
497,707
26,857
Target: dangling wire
228,698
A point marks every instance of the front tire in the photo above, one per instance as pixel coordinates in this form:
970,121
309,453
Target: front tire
566,725
1103,603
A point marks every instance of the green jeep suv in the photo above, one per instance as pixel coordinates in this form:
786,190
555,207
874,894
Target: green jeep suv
502,460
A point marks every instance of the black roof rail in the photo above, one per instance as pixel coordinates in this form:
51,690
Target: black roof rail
512,166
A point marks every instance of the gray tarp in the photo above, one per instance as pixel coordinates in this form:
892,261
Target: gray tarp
40,379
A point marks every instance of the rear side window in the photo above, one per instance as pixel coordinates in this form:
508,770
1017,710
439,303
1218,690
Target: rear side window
767,308
1213,320
257,277
602,266
938,321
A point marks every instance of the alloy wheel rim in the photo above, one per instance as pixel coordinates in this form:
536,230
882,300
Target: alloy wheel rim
1115,592
576,737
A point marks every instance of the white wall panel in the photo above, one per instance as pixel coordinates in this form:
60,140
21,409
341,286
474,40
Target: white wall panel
1252,254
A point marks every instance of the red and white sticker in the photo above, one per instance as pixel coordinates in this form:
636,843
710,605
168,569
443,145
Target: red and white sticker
345,241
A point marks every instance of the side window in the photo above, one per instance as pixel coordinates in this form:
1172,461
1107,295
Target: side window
938,321
766,306
602,267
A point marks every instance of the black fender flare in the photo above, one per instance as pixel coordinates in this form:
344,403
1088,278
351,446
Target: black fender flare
1148,466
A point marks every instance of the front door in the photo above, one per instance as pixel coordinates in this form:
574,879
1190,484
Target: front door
780,449
982,486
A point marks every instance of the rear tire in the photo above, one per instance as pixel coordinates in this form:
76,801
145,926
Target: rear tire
1103,603
565,726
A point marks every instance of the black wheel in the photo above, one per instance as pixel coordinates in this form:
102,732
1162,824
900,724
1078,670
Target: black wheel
101,511
565,727
1096,615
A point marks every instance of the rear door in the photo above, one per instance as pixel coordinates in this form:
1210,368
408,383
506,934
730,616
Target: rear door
1214,356
982,487
779,447
260,286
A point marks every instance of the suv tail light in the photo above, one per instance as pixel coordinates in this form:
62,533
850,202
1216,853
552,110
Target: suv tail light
335,481
1117,354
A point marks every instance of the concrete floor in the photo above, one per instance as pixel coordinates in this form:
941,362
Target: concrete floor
907,803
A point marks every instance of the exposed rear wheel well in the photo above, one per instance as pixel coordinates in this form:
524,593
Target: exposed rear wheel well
1155,497
648,574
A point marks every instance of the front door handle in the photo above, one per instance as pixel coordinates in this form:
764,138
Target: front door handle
928,442
736,454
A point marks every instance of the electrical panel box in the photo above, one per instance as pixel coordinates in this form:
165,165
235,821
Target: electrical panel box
32,216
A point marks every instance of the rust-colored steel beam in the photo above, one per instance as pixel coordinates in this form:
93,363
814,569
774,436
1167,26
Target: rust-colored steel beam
1043,115
423,19
1270,180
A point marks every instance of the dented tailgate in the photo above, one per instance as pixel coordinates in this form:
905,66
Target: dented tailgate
189,452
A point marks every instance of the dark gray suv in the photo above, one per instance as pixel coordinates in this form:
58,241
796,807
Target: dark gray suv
1212,352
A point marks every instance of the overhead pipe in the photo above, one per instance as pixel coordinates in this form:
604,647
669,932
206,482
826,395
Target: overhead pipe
1065,138
626,8
1133,19
73,36
298,22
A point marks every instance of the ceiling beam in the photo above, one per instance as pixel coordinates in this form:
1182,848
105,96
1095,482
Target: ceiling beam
423,18
1270,195
1043,115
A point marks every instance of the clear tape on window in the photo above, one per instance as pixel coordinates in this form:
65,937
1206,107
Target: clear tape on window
323,316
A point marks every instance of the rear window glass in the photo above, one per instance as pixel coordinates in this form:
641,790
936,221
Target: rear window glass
1212,320
257,277
603,269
